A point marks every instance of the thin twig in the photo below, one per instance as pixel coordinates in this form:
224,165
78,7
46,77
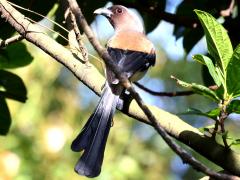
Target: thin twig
82,48
4,43
215,130
222,117
169,94
229,10
124,81
40,15
74,36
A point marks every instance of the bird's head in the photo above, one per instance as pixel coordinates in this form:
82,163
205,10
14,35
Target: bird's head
121,18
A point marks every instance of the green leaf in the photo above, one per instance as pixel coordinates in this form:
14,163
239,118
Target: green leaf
208,62
6,29
13,86
193,111
206,77
233,74
5,118
205,91
199,89
220,75
214,113
235,142
210,114
191,37
15,55
234,106
218,42
150,21
207,129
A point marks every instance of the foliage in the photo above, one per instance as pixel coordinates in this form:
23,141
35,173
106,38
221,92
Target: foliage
192,36
224,69
11,85
14,88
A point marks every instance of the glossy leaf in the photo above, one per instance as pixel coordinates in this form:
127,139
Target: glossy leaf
5,118
233,74
150,22
214,113
193,111
205,91
13,86
234,107
218,42
208,62
15,55
206,77
191,38
210,114
199,89
220,74
185,10
6,30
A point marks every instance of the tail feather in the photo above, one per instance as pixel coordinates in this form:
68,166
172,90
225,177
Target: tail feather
83,139
92,139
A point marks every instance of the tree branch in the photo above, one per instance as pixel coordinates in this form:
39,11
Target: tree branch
4,43
177,128
75,37
229,10
169,94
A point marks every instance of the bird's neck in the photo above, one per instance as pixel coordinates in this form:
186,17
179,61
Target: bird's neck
131,25
127,28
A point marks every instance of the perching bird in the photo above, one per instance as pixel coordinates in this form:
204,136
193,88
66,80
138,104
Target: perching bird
134,54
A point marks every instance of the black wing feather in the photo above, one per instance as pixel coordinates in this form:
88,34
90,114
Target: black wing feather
131,61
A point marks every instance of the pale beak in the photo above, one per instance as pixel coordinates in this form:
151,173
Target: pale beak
103,11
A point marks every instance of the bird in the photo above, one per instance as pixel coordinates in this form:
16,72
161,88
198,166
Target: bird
131,50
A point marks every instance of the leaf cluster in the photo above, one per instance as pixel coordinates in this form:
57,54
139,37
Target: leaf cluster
223,64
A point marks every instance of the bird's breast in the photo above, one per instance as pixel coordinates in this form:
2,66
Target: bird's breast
131,40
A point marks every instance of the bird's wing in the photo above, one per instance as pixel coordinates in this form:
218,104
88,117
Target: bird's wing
132,61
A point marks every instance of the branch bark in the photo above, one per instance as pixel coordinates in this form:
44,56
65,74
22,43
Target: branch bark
4,43
177,128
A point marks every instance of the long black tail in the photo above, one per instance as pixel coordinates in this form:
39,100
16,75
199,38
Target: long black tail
92,139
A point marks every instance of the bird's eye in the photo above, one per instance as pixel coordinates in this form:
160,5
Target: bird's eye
119,10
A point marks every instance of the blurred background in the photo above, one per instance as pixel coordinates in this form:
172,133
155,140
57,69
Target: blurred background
38,143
